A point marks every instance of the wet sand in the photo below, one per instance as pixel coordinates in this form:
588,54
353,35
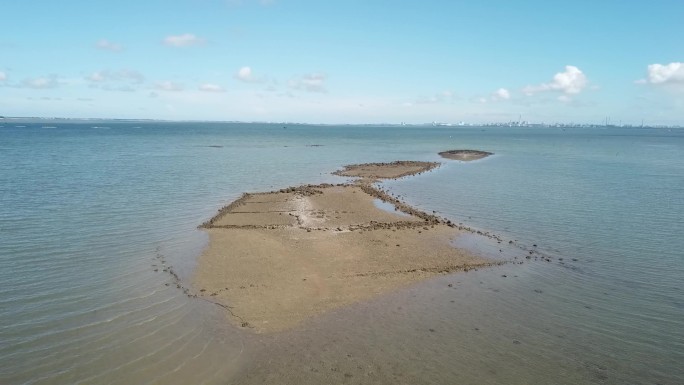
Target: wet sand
276,259
465,155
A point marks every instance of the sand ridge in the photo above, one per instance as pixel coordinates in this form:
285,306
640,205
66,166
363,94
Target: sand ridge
278,258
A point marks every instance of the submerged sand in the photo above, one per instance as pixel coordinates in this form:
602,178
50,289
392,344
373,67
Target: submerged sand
465,155
278,258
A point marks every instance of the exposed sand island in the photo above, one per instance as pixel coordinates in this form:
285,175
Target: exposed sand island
394,170
465,155
277,258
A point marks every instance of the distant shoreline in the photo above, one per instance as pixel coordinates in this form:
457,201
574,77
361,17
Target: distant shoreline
557,125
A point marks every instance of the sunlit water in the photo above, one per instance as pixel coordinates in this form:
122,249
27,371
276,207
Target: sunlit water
91,213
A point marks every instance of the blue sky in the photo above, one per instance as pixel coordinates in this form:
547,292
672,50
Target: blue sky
345,61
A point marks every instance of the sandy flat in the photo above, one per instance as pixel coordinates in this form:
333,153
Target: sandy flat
276,259
465,155
392,170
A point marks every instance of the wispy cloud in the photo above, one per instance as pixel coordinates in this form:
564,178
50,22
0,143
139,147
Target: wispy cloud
313,82
184,40
571,81
124,75
3,76
107,45
440,97
120,80
209,87
168,85
40,83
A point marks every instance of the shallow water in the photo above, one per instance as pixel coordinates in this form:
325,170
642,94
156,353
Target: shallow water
87,214
389,207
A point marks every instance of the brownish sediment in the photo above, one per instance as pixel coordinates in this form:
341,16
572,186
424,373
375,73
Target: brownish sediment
465,155
394,170
278,258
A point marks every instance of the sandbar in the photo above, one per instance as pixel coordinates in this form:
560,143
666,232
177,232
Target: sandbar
465,155
278,258
393,170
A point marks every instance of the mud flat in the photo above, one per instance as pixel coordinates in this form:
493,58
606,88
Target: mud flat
277,258
465,155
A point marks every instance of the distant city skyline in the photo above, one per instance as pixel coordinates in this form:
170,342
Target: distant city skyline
345,62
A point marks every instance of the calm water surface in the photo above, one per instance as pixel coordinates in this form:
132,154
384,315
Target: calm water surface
91,213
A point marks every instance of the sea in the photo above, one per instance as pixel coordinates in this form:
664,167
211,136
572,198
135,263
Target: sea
95,214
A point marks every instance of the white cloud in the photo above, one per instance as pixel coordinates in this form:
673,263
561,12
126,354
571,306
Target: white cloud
3,77
571,81
168,85
184,40
41,82
314,82
659,74
245,74
500,94
107,45
208,87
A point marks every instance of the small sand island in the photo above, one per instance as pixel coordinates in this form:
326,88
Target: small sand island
465,155
280,257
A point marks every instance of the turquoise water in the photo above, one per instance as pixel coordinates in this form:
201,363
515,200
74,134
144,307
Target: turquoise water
89,211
